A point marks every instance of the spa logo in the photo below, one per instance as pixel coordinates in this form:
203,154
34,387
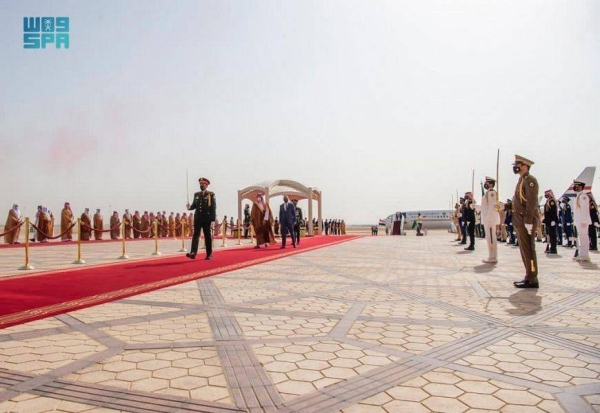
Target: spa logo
39,32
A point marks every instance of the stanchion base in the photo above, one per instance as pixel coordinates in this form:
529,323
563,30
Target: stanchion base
79,262
183,250
124,257
157,253
239,243
223,245
26,267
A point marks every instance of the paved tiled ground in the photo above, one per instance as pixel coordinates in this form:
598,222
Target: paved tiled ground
379,324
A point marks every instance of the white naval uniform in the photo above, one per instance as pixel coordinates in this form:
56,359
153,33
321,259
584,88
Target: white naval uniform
490,218
582,221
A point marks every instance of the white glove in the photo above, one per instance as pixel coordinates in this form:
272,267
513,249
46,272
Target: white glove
552,223
568,224
529,227
597,224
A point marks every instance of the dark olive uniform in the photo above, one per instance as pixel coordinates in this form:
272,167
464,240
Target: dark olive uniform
299,219
525,212
205,212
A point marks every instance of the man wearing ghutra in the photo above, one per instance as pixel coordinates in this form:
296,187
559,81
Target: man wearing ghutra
262,221
66,220
11,228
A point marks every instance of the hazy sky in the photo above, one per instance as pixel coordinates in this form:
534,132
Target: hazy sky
383,105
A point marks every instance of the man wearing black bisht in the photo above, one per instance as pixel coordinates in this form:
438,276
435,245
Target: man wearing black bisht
205,213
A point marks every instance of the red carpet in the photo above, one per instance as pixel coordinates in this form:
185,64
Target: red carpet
29,298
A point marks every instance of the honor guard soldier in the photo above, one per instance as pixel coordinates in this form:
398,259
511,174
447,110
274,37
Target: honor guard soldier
298,221
582,220
508,221
525,207
205,213
469,217
567,220
461,221
490,218
595,223
551,221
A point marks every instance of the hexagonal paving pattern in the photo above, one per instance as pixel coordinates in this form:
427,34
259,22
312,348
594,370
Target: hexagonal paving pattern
316,305
527,358
46,353
29,403
411,310
191,373
180,329
411,338
303,367
269,326
110,311
444,390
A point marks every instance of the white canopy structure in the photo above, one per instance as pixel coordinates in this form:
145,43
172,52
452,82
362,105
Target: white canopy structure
280,187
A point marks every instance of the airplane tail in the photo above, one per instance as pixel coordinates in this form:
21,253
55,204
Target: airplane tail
586,176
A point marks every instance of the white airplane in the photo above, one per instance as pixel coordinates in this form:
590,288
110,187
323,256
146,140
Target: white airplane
432,219
586,176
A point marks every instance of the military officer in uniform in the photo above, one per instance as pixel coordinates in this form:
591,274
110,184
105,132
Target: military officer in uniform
205,213
595,223
567,218
551,221
525,215
582,221
490,218
469,217
298,221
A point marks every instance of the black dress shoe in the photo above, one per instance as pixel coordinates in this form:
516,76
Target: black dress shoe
470,249
526,284
191,256
294,245
282,247
208,257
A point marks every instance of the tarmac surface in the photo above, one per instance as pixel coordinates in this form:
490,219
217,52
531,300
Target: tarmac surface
377,324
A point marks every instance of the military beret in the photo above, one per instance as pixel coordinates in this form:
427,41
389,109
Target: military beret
204,180
524,161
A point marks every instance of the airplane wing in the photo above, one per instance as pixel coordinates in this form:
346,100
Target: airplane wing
586,176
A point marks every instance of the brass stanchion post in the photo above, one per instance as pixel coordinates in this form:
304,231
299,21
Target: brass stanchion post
123,256
224,231
155,226
239,230
26,266
79,260
182,237
252,240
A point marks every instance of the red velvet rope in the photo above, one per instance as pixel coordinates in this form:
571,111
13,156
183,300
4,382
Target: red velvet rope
56,237
83,224
13,229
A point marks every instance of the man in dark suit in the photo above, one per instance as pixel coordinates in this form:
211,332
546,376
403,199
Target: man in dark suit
205,213
287,219
298,221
